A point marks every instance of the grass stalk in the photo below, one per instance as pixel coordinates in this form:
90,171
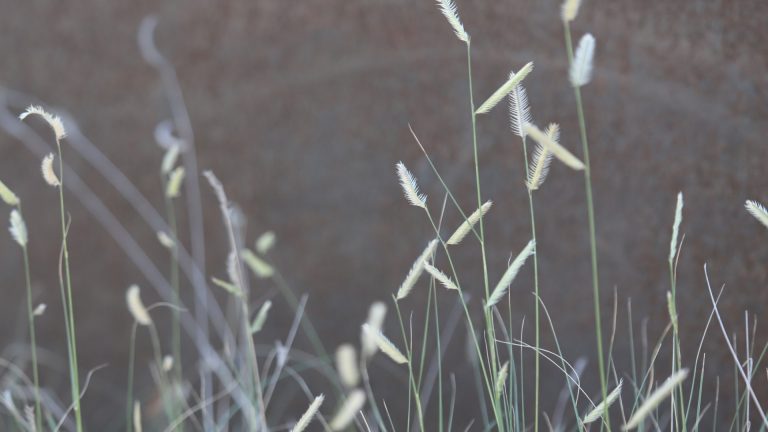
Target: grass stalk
591,222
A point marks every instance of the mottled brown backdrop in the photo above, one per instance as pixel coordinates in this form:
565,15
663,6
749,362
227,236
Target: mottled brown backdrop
302,109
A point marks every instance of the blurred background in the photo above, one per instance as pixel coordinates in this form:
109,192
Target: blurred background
302,110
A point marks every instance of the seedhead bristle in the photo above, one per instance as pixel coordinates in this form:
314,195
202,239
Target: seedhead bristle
261,317
49,175
7,195
385,345
451,13
346,365
519,110
308,415
758,211
18,228
173,188
600,408
542,158
658,396
581,68
410,187
503,286
468,224
136,307
416,270
569,10
349,409
376,314
53,120
554,147
676,226
505,89
440,276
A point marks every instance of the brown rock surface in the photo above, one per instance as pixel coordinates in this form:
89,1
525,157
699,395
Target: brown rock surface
302,109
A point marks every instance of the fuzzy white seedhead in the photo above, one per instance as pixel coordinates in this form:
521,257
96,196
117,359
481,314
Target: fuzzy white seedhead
451,13
519,110
377,312
554,147
581,68
658,396
570,9
468,224
676,226
169,159
308,415
39,309
136,307
49,175
173,188
758,211
18,228
385,345
265,242
346,365
410,187
542,158
7,195
416,269
348,410
599,409
503,286
53,120
440,277
505,88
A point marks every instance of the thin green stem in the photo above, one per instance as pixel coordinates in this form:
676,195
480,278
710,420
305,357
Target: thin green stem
591,221
411,378
33,343
174,272
490,331
70,314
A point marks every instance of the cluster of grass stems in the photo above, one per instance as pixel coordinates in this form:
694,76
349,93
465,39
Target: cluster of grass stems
230,382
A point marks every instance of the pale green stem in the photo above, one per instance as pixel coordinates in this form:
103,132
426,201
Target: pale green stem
591,221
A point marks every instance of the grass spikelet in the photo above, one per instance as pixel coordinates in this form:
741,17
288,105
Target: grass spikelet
581,68
349,409
440,276
503,286
501,378
416,270
467,225
346,365
136,307
542,158
658,396
227,286
451,13
7,195
40,309
376,314
165,240
505,89
258,266
175,178
308,415
53,120
265,242
599,409
261,317
48,173
554,147
676,226
18,228
519,110
385,345
569,10
758,211
169,159
410,187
